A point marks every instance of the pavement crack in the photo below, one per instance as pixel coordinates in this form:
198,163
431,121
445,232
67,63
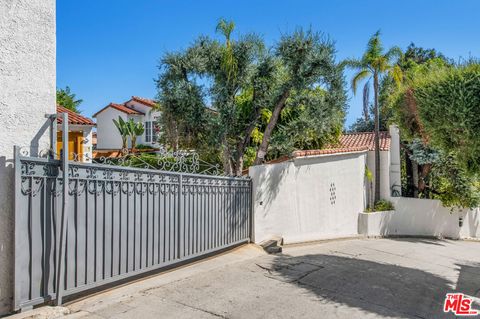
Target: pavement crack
200,309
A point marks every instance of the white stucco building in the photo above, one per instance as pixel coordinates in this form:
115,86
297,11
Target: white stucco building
27,95
137,108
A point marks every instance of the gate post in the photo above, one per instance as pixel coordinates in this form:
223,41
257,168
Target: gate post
63,219
252,215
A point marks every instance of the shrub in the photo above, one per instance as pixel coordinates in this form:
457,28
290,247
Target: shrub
383,205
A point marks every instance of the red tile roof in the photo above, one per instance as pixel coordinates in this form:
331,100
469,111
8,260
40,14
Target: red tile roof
73,118
329,151
121,108
365,139
350,142
144,101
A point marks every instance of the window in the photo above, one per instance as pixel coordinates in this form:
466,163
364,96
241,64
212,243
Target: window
150,132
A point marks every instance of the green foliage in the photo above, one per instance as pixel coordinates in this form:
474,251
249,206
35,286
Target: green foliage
449,108
422,154
122,128
383,205
243,83
307,122
143,147
454,186
127,129
134,129
437,108
68,100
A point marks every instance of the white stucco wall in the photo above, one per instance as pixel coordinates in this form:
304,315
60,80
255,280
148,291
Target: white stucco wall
294,200
108,137
27,93
421,217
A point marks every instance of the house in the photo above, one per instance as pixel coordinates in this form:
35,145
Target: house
79,135
137,108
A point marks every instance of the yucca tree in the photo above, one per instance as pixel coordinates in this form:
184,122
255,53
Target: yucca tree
373,65
123,130
229,63
135,129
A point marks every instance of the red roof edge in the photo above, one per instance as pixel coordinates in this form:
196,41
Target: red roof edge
73,118
121,108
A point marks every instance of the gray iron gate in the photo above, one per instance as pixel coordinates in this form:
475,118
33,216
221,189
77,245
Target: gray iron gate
120,222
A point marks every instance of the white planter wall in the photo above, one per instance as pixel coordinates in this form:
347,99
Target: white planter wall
420,217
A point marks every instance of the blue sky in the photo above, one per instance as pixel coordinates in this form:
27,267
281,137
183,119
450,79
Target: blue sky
108,50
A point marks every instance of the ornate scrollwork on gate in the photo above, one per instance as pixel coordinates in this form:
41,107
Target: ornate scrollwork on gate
181,161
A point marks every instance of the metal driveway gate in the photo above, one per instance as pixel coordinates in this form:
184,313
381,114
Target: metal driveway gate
120,222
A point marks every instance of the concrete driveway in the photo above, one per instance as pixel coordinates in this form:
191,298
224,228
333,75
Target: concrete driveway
358,278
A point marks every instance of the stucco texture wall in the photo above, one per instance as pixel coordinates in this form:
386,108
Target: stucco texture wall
27,93
421,217
309,198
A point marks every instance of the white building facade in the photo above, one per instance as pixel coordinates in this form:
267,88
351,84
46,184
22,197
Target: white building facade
139,109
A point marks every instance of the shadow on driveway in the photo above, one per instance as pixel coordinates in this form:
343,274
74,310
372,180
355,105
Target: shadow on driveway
383,289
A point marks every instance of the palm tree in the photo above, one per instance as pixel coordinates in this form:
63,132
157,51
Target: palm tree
134,129
123,130
375,63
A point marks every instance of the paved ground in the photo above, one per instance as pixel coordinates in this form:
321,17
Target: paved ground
359,278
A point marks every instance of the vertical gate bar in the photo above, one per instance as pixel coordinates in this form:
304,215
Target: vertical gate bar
180,218
63,225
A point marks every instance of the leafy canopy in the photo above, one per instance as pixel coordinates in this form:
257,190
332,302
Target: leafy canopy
68,100
220,95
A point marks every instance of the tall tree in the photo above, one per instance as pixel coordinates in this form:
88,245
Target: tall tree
308,61
68,100
216,94
374,64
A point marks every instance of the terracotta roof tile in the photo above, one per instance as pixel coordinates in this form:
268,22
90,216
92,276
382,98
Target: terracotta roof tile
121,108
73,118
365,139
329,151
350,142
144,101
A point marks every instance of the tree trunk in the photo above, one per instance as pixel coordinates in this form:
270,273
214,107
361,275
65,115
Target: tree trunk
227,162
262,149
424,171
134,143
242,145
377,138
415,178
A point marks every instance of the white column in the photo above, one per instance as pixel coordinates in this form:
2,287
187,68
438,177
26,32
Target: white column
395,164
